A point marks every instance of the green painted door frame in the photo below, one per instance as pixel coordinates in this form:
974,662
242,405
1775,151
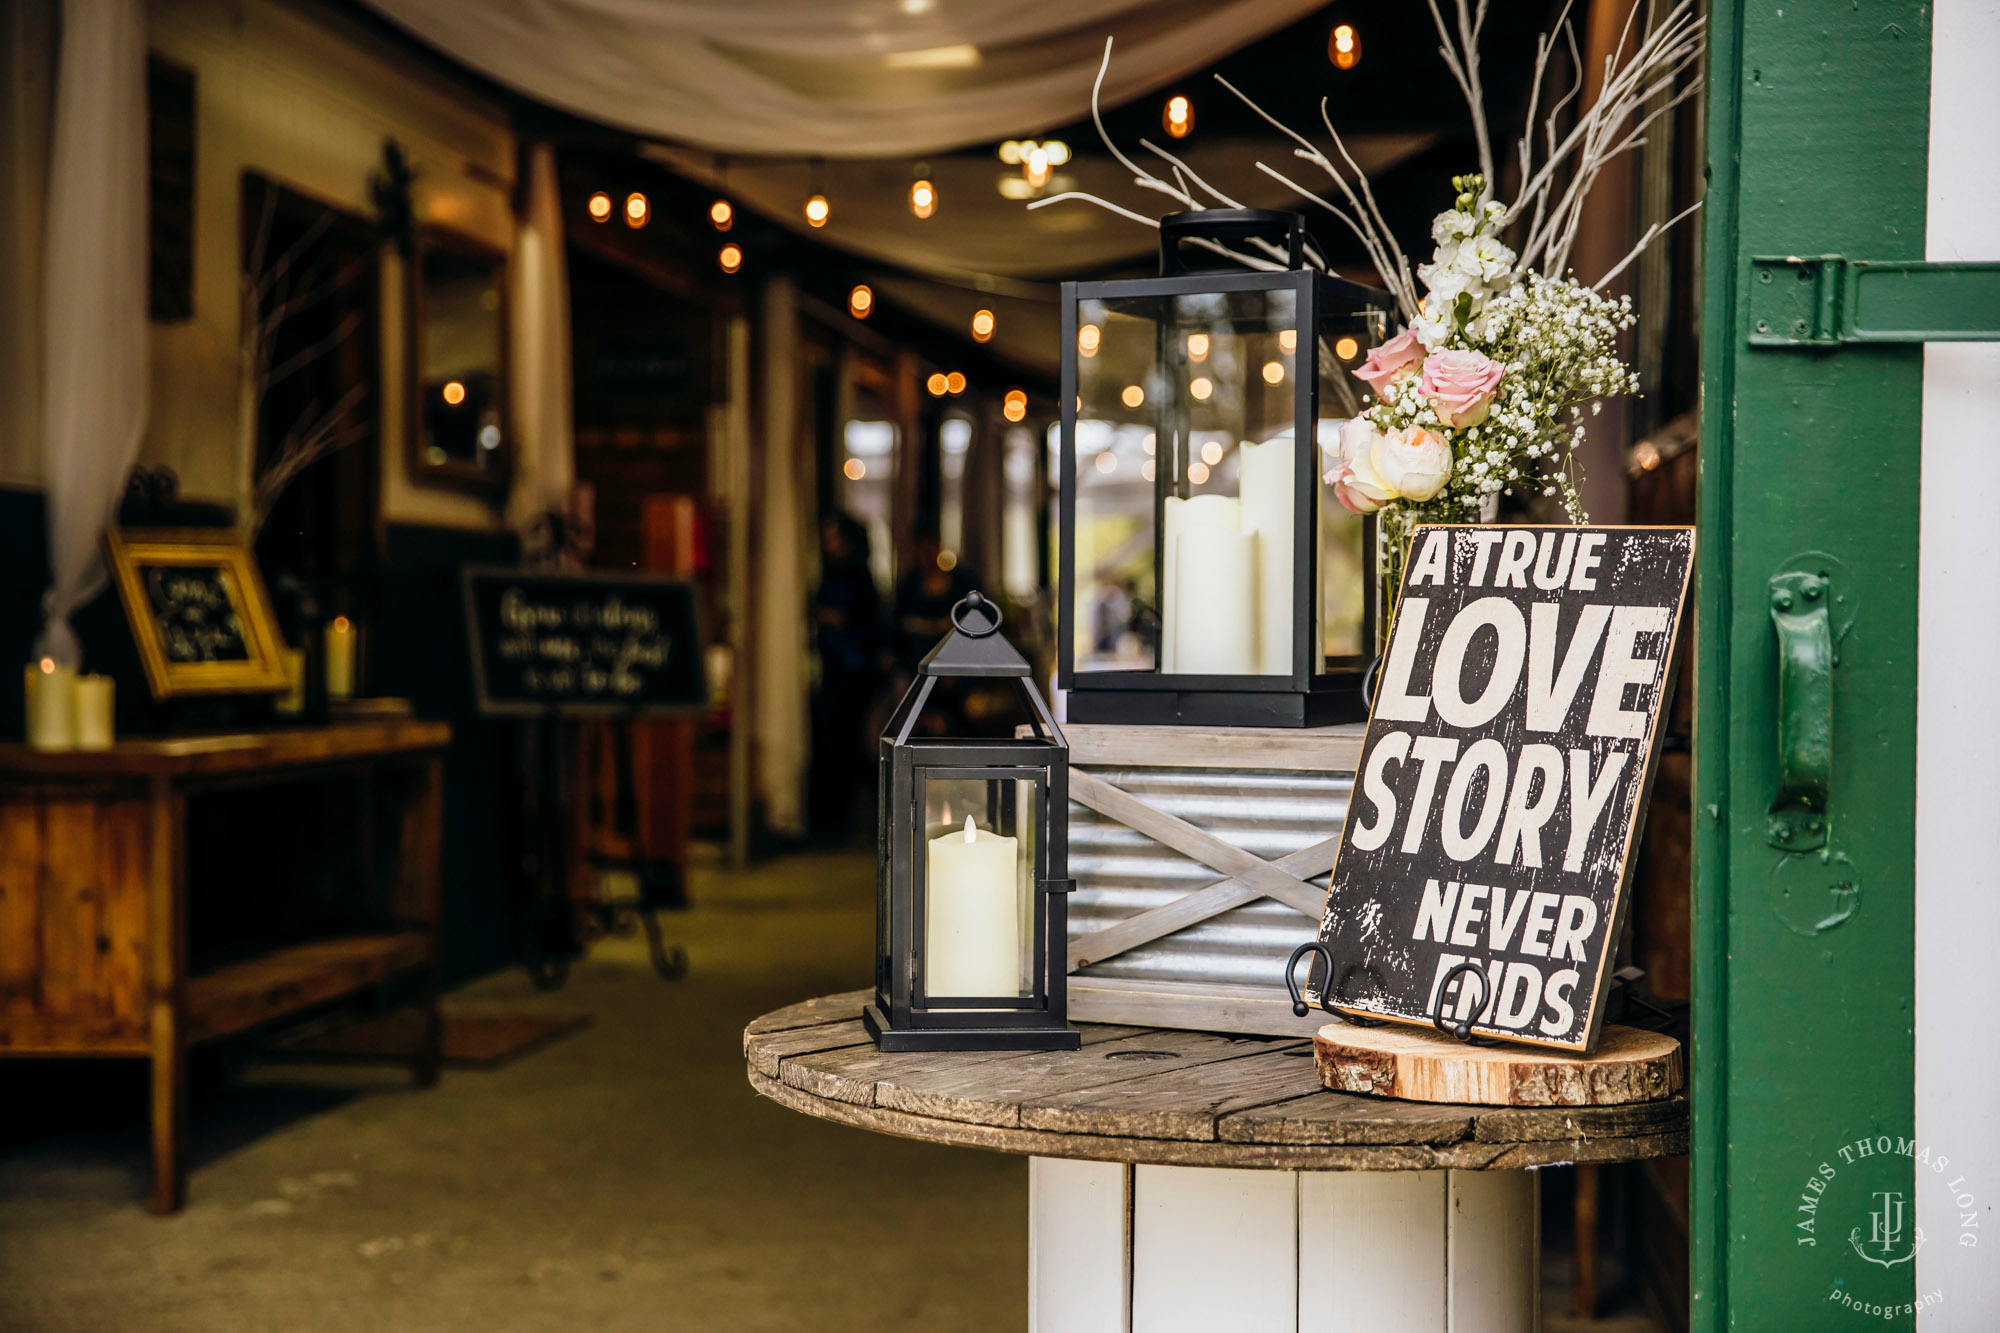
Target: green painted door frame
1804,975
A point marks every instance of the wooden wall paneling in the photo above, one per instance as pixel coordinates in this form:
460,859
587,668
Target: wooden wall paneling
1371,1251
1493,1252
69,907
1079,1246
20,906
123,860
1214,1248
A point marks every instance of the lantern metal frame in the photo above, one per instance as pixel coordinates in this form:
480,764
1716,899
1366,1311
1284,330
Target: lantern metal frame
900,1017
1318,690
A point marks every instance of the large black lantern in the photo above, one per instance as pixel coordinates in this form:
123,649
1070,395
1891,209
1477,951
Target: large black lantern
972,842
1206,572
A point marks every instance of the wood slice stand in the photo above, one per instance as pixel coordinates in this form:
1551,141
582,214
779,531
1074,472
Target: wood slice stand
1178,1179
1411,1064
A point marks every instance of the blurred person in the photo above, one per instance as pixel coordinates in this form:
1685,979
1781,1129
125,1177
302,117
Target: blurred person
846,614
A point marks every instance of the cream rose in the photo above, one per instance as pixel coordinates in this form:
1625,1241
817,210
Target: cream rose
1396,360
1461,386
1414,462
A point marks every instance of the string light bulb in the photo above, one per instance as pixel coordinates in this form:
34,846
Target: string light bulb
954,383
982,326
937,383
600,207
731,257
1346,349
860,301
923,197
1178,117
637,210
1015,407
1200,387
1274,372
1087,339
1035,166
721,214
1343,47
818,210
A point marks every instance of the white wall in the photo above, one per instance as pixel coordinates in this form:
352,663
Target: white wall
306,101
1958,675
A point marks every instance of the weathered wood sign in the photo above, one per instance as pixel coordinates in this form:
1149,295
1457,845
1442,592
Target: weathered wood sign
593,644
1503,780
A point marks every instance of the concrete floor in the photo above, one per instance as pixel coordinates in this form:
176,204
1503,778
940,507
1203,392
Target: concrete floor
624,1178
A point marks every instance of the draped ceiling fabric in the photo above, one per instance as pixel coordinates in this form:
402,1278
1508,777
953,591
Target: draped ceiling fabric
835,78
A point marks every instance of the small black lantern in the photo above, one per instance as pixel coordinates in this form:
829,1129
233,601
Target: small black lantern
972,844
1206,573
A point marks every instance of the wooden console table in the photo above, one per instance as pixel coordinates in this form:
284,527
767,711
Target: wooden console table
95,899
1187,1180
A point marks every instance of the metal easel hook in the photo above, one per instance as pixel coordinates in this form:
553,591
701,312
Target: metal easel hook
1461,1029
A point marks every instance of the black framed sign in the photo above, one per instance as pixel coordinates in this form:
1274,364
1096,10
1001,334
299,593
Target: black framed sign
583,644
1503,779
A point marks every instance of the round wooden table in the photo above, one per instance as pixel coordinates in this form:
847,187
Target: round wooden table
1188,1180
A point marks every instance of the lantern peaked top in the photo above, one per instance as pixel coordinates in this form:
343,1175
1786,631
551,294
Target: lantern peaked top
974,646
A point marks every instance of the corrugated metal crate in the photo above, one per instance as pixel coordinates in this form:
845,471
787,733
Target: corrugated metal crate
1269,793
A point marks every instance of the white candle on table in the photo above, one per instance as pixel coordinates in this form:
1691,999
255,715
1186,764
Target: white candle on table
94,697
1209,612
51,703
972,924
293,701
340,658
1265,482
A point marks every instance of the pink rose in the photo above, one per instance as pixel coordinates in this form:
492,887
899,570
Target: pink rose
1398,359
1461,385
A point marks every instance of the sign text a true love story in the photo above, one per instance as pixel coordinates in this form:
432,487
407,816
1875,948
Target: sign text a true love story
1503,780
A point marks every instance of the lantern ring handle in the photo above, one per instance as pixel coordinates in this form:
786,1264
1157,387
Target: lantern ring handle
979,601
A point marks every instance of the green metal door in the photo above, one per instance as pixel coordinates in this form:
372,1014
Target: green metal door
1805,1151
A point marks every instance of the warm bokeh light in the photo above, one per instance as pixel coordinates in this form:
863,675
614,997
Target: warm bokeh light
637,210
1197,347
937,383
1015,407
818,210
923,198
600,207
1133,395
731,258
1211,453
1010,152
1150,443
947,560
1087,339
1343,48
854,469
982,325
1346,349
341,624
1288,340
860,301
1146,469
1035,166
954,382
48,666
1198,473
1274,372
1107,462
454,392
1057,150
1200,387
721,214
1178,117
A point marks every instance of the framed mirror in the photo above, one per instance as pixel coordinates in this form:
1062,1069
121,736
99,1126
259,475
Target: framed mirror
459,432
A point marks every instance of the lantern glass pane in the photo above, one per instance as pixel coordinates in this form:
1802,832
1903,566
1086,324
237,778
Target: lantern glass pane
1185,469
975,877
1346,581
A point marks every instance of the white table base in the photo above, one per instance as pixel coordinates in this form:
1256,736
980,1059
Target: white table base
1114,1248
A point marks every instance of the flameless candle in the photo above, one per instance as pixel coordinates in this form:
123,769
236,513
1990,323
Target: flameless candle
972,934
94,712
340,658
1210,620
51,701
1266,485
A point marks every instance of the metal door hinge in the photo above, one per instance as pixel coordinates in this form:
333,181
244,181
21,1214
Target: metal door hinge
1827,301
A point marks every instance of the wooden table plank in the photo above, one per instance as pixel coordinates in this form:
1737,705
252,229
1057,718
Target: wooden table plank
766,1052
1182,1102
906,1079
1343,1119
840,1008
219,753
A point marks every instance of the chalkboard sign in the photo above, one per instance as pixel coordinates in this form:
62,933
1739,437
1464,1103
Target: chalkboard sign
596,644
198,611
1503,779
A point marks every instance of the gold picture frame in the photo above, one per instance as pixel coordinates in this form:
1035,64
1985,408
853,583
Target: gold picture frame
198,611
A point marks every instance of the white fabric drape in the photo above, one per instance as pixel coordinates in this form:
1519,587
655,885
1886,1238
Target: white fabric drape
782,654
839,78
94,301
544,445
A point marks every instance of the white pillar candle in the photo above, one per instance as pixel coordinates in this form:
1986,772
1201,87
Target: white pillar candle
293,701
1216,631
972,923
51,705
1265,483
340,658
94,698
1202,513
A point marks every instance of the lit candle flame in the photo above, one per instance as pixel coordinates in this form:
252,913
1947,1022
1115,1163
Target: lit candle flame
48,666
971,834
